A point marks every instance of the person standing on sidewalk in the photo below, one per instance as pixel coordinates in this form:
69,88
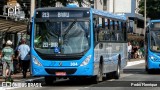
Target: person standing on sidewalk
24,53
7,59
129,50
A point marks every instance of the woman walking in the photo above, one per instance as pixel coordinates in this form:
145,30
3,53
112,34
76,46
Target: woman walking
7,58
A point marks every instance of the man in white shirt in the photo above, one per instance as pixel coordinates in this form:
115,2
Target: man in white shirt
24,51
129,50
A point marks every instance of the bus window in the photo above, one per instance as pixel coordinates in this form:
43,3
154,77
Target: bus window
155,40
63,35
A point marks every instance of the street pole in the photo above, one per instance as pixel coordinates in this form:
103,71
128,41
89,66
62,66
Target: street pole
144,15
32,9
29,29
95,4
113,6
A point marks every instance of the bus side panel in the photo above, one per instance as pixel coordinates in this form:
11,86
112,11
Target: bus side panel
98,53
118,52
124,59
110,53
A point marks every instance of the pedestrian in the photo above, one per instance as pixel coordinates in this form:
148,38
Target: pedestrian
129,50
16,60
1,65
24,54
7,59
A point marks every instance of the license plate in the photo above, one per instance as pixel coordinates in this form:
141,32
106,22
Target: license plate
60,73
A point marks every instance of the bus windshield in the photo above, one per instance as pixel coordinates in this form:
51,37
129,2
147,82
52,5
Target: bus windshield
62,37
155,41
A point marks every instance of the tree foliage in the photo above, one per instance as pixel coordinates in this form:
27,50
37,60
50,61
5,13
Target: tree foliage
152,8
25,4
64,2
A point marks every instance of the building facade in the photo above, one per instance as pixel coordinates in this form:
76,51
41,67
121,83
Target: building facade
128,7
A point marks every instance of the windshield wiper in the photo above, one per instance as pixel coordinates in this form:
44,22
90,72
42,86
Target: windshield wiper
69,27
49,28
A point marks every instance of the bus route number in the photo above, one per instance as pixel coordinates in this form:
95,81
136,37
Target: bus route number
45,14
63,14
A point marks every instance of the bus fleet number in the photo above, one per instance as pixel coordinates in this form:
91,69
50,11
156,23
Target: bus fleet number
73,64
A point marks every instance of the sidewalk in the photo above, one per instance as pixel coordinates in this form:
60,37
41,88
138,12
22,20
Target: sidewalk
137,59
17,77
133,62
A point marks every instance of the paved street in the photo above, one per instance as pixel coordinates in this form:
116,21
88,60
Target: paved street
132,76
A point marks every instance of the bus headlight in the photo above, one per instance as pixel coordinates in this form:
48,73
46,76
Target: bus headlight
153,58
86,61
35,60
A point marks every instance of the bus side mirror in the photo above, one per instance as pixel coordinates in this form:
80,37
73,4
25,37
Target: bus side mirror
29,28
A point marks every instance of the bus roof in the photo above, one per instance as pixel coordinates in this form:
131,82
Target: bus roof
61,8
157,20
109,15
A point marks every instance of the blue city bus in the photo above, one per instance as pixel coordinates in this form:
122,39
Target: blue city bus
152,46
68,42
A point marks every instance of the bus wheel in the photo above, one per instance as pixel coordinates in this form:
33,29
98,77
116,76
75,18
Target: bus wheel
149,71
49,80
99,76
146,68
117,72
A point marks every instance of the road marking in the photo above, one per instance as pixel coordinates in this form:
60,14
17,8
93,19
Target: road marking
33,79
8,88
135,63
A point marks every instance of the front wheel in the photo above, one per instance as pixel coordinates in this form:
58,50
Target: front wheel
99,77
49,80
146,68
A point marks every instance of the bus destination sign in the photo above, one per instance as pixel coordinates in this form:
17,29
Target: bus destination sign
155,25
62,14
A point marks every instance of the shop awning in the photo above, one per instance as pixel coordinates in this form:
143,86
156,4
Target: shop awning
135,37
9,26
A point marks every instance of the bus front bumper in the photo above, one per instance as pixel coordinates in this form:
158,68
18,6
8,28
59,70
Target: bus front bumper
62,71
153,65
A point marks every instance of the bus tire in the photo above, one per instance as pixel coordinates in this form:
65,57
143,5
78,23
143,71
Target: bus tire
117,72
100,74
146,68
49,80
98,77
150,71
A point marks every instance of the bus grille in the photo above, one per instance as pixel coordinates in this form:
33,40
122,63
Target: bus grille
68,71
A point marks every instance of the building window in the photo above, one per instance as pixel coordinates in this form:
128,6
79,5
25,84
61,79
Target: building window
104,2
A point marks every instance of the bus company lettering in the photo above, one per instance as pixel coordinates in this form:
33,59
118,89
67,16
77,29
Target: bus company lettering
9,84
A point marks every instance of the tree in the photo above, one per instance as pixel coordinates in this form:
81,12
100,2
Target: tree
64,2
25,4
152,8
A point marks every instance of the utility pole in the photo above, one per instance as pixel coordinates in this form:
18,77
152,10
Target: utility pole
114,6
32,9
144,15
95,4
